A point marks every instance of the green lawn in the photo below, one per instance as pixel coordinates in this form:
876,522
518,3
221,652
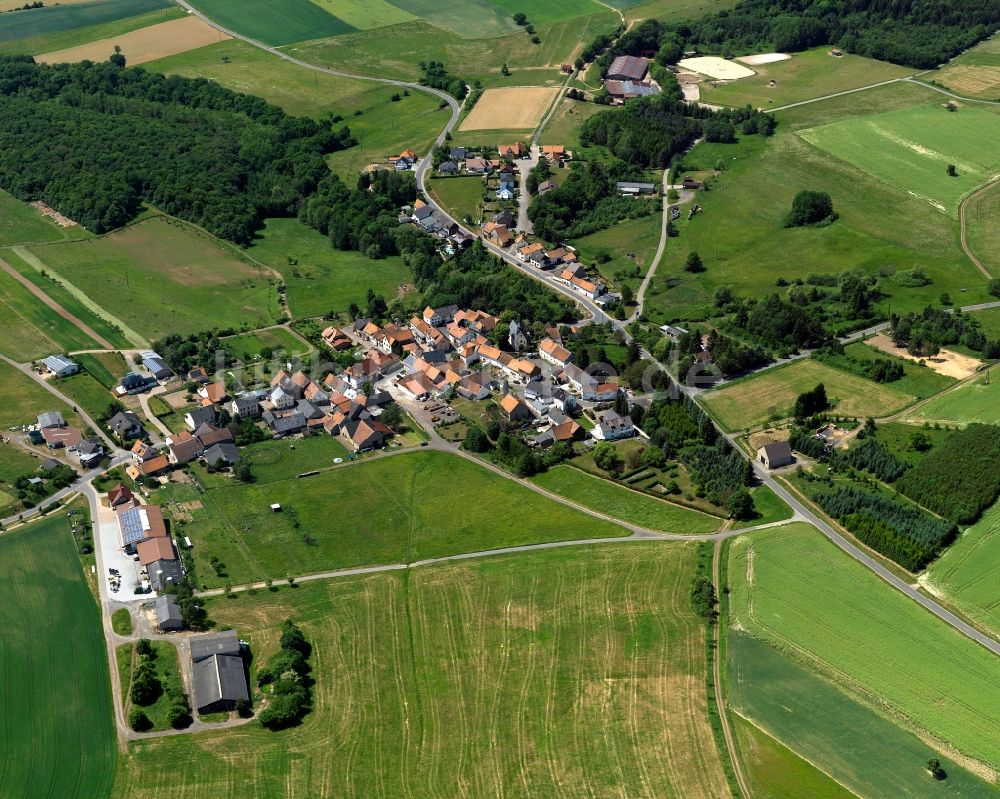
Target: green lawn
897,437
812,73
324,279
168,672
623,503
768,507
640,237
248,346
57,18
21,223
976,401
748,402
22,399
59,738
398,515
87,393
463,196
911,149
856,746
918,381
575,673
989,320
967,573
161,276
292,21
792,588
121,621
563,127
106,367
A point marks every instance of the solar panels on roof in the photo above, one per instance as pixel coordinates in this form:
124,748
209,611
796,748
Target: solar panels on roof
134,523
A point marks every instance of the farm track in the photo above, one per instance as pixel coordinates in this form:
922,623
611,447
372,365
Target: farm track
963,226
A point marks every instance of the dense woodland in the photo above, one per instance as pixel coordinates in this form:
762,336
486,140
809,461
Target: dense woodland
916,33
95,141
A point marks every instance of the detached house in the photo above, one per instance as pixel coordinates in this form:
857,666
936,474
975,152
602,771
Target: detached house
554,353
613,427
514,409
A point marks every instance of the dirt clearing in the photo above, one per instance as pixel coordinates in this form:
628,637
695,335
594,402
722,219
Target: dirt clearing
145,44
510,109
945,362
763,58
714,67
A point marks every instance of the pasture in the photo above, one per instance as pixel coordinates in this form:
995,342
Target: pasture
989,321
515,108
463,196
623,503
145,44
967,574
636,237
750,401
388,510
982,220
248,347
324,279
853,744
106,367
58,18
22,399
974,73
59,737
563,127
366,14
162,276
577,673
292,21
975,401
795,590
669,10
911,149
20,223
471,19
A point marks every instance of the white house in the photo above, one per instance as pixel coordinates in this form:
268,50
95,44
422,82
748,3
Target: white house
614,426
281,399
554,353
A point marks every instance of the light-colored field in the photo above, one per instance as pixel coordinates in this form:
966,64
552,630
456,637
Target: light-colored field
976,401
546,675
763,58
9,5
145,44
772,393
977,81
366,14
515,108
21,223
946,362
797,591
714,67
912,149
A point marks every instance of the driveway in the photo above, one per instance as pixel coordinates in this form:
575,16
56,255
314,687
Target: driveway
106,537
524,166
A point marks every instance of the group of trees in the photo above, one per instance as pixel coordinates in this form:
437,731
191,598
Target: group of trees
810,208
437,77
195,150
146,688
809,403
287,674
780,325
924,333
732,356
205,349
880,370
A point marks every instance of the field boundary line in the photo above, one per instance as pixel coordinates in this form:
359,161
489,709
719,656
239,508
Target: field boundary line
915,80
840,94
963,226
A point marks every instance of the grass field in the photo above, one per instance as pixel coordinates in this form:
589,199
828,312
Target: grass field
516,108
14,463
918,381
324,279
911,149
768,507
967,573
463,196
812,73
749,402
623,503
982,215
106,367
121,621
366,14
292,21
471,19
55,19
670,10
795,590
563,127
974,401
565,674
59,737
20,223
989,320
161,276
974,73
399,516
87,393
857,747
248,346
640,237
22,399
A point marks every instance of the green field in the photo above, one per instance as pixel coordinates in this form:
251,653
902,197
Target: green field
640,237
623,503
974,73
20,223
366,14
58,18
854,745
161,276
975,401
553,674
463,196
292,21
748,402
982,215
87,393
989,320
107,367
910,149
167,669
22,399
967,573
812,73
768,507
324,279
59,737
670,10
14,463
471,19
793,589
918,381
248,346
563,127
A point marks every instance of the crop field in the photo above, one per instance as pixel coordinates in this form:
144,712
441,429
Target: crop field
854,745
70,37
366,14
463,196
289,22
812,73
187,276
403,498
58,18
146,44
975,401
974,73
59,738
324,279
878,225
516,108
911,149
967,573
623,503
749,402
568,674
20,223
793,589
248,346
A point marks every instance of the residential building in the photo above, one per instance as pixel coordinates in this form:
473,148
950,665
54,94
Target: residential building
59,437
514,150
613,427
776,455
546,186
225,453
214,392
336,339
554,353
477,166
448,167
132,383
184,447
60,366
126,424
515,409
196,417
119,495
246,406
198,375
436,317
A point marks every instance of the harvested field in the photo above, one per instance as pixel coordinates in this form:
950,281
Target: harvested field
10,5
714,67
763,58
510,109
972,79
945,362
145,44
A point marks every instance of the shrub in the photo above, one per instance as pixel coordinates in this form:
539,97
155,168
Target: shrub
810,208
139,721
179,717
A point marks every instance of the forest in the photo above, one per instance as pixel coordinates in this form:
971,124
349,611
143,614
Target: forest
916,33
95,142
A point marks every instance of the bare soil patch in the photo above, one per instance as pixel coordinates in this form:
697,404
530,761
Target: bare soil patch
55,216
945,362
145,44
763,58
510,109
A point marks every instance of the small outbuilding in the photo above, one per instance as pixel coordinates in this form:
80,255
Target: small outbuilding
775,455
168,613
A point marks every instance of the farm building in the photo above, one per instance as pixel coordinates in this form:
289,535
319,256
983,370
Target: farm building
137,523
775,455
628,67
219,675
635,188
168,613
50,419
60,366
627,89
155,365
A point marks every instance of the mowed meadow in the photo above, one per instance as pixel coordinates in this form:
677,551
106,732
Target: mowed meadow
57,734
552,674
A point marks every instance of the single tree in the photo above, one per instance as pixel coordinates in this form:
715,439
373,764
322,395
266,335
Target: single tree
952,171
693,263
810,208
